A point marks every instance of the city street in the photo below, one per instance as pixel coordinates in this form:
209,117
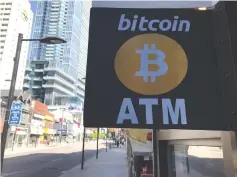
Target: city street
50,162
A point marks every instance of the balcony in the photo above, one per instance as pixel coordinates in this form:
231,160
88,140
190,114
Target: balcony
26,85
39,70
37,79
27,77
36,86
58,87
62,81
81,85
60,68
80,92
28,68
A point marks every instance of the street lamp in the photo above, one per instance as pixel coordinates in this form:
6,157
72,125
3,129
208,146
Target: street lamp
47,40
5,134
61,124
83,142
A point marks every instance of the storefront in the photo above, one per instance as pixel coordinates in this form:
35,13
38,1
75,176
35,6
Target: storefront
36,129
183,153
19,136
139,152
48,129
191,153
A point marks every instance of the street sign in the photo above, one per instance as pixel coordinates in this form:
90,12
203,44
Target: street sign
154,68
15,113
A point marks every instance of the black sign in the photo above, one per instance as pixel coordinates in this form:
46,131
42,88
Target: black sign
152,68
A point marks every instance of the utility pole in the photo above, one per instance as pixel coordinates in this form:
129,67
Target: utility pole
83,148
61,125
97,143
6,131
106,139
155,153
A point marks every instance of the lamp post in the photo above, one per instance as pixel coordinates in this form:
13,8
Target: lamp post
106,139
61,124
97,142
83,143
6,132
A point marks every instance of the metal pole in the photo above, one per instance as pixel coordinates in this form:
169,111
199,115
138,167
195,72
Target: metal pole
106,139
83,148
155,156
61,127
14,139
97,143
6,132
1,156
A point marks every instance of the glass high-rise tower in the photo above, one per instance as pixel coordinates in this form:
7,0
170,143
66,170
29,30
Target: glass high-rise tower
63,75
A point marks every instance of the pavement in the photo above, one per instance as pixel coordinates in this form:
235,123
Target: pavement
112,163
203,162
49,162
65,161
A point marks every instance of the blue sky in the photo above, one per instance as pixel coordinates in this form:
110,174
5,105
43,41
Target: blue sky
33,6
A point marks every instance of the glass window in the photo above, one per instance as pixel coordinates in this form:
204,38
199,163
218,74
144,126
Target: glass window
196,161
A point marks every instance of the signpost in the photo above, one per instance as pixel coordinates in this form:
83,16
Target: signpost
15,117
15,113
161,69
157,69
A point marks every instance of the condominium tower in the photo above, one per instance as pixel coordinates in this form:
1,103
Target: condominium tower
15,17
63,66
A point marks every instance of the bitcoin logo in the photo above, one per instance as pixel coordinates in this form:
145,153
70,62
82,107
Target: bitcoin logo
151,64
145,62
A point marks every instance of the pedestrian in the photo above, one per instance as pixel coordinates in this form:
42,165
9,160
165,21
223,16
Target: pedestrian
117,142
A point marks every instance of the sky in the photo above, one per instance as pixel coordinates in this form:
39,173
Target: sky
33,6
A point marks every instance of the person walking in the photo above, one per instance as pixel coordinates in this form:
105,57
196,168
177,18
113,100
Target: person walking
117,142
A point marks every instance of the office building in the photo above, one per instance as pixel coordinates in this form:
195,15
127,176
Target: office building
63,76
15,17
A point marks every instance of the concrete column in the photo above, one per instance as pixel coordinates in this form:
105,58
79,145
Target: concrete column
229,153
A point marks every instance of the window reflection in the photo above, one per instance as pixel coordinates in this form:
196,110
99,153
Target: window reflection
196,161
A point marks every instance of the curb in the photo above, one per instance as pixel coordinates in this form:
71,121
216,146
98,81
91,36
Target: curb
16,154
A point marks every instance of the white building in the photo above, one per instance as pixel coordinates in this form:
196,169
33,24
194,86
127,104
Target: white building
85,16
15,17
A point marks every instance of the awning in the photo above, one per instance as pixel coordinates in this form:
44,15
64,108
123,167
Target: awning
140,149
21,132
38,116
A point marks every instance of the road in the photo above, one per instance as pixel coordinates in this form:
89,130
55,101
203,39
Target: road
48,162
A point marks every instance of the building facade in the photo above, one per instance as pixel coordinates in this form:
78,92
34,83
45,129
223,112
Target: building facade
36,122
15,17
34,78
69,20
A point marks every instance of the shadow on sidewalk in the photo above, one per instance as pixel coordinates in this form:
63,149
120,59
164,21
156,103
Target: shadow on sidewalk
44,164
207,166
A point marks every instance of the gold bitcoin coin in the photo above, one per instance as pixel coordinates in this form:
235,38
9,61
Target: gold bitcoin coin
136,70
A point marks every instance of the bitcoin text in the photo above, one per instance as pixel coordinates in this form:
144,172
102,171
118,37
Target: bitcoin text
144,24
170,114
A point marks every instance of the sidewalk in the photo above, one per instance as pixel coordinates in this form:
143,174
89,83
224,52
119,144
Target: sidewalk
112,163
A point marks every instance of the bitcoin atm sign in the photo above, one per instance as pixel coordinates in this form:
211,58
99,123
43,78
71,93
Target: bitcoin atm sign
152,68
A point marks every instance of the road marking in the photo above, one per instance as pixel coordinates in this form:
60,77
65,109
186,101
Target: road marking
9,174
56,160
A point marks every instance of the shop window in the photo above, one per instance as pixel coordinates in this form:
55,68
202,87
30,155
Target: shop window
195,161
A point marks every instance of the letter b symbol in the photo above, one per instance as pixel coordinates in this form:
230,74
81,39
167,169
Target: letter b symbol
123,21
